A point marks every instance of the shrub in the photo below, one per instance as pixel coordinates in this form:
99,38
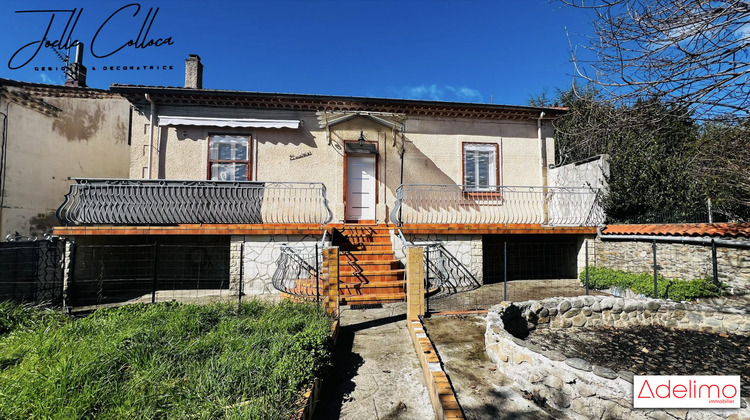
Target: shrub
643,283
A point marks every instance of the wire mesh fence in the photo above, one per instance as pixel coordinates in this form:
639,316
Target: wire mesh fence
516,269
108,275
675,268
31,271
537,267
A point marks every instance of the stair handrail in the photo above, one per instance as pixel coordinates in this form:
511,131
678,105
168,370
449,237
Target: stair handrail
452,276
290,267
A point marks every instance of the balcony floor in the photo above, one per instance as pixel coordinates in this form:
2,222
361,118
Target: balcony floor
316,229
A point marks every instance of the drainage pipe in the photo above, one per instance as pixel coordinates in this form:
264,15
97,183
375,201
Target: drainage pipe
542,152
152,121
677,240
542,169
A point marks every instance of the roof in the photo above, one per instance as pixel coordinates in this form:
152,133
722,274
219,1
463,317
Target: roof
306,102
50,91
731,230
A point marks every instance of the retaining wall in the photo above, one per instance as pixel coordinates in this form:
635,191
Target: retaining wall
682,261
575,386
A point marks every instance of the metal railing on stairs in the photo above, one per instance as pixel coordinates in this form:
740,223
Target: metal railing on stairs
160,202
298,271
445,275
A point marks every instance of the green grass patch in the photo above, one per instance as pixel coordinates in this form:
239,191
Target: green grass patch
14,316
643,283
162,361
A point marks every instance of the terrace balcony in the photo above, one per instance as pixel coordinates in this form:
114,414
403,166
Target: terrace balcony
258,207
418,205
175,202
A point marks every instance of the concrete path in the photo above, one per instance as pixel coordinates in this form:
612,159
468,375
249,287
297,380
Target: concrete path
376,373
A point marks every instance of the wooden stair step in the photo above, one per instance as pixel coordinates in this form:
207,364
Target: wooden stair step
369,278
373,285
373,262
375,297
355,256
370,246
375,273
354,268
368,252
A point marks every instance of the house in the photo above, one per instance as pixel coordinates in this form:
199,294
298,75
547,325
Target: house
50,133
267,177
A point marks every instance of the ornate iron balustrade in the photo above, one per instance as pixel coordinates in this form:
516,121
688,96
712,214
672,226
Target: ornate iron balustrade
161,202
445,274
460,204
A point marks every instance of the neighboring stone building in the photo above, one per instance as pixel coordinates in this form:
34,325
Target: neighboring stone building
50,134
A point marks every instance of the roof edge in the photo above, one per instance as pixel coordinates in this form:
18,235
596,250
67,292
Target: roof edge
551,113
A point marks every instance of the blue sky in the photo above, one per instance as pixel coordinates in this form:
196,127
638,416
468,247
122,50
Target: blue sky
469,51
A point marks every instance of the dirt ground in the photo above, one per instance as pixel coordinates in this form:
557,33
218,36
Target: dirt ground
482,391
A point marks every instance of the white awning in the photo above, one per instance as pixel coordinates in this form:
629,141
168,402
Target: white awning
228,122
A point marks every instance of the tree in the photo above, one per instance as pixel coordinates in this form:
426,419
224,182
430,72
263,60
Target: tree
721,161
651,149
691,54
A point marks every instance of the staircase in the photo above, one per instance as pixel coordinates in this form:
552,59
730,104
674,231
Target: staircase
368,271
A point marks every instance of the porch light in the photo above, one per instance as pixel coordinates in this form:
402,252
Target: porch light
361,139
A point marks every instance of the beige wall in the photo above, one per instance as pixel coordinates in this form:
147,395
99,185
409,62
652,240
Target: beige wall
433,150
89,138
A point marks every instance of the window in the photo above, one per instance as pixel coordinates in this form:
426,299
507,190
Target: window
228,157
480,166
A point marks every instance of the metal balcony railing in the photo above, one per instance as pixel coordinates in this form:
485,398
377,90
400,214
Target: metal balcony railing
165,202
461,204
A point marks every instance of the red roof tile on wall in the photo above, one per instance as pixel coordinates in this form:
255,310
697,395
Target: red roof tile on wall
732,230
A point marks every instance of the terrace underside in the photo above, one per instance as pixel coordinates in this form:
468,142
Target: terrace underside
316,229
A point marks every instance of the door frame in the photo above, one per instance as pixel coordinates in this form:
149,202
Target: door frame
376,155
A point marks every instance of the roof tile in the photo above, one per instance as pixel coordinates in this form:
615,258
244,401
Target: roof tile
731,230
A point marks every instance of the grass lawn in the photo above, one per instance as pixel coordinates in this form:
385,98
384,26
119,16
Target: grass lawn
160,361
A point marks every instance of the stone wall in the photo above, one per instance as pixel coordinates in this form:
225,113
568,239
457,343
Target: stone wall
682,261
258,255
575,386
467,249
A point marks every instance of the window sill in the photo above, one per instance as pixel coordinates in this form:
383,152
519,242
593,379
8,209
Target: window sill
484,198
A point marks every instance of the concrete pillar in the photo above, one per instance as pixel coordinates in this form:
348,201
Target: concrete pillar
68,268
235,264
415,293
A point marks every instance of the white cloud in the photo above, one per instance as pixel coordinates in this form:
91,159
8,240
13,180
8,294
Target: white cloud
440,93
466,94
50,80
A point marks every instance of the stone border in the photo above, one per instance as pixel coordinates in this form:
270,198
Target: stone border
575,386
441,392
594,311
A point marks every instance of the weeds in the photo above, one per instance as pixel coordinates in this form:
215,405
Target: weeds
643,283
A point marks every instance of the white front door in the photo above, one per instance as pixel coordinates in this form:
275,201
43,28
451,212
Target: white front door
360,188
